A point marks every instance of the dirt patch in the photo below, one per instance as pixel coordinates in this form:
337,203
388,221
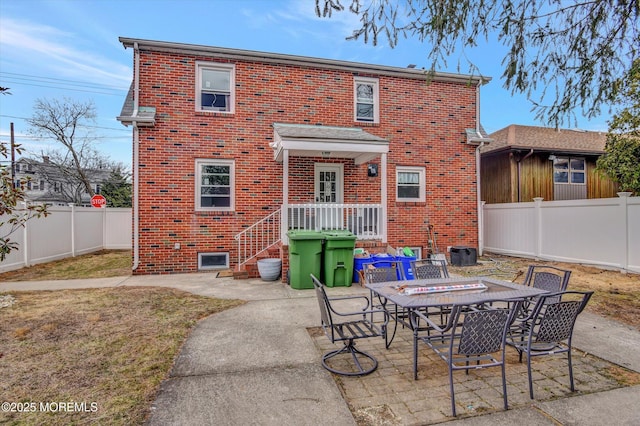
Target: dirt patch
617,294
380,415
99,264
108,349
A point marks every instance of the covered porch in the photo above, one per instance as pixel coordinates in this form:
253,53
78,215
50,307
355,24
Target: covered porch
328,211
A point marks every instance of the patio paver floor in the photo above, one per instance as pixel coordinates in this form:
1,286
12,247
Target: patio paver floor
390,396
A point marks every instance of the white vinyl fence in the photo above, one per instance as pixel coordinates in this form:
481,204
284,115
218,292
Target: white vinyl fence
603,232
66,232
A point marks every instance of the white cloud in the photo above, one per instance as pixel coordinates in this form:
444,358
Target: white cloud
47,47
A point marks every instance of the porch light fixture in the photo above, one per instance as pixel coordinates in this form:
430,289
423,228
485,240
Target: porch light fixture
552,157
372,170
326,154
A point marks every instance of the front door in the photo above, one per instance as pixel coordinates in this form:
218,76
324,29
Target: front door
328,190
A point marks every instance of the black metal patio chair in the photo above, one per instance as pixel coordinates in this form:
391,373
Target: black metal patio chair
547,278
473,338
382,271
356,325
548,328
429,268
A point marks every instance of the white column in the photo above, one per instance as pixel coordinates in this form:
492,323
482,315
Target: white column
284,216
383,195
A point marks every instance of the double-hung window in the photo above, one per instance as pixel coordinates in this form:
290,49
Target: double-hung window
410,184
215,89
366,100
215,185
569,170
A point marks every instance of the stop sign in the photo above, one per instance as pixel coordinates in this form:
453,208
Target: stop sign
98,201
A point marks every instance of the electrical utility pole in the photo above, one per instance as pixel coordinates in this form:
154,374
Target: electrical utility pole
13,158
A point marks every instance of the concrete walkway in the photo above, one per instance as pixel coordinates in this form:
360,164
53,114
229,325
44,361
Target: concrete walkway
257,365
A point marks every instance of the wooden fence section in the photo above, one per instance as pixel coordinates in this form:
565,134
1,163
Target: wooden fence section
604,232
66,232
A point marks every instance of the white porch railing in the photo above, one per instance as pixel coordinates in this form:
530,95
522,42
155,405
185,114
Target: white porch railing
258,237
363,220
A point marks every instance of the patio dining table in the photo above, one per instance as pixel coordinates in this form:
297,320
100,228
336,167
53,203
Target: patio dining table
442,293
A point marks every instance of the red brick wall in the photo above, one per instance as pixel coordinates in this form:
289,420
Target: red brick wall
425,124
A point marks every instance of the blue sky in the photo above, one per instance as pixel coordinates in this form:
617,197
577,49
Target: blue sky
52,49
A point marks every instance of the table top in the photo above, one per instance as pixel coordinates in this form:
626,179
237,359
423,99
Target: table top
451,291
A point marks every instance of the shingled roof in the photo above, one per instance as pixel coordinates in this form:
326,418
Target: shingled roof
547,139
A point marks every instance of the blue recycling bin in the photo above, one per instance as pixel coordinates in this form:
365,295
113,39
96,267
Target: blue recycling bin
405,262
385,258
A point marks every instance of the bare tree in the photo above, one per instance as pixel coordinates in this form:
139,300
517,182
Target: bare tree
576,51
65,122
57,169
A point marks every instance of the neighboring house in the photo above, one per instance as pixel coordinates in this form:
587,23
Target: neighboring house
232,148
46,183
525,162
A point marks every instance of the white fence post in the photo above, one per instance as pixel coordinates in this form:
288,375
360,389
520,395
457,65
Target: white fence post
25,236
104,225
73,229
624,214
537,206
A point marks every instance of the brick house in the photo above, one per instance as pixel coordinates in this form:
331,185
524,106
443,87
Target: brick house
524,162
232,148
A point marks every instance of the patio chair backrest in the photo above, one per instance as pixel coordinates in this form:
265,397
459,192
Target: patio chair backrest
555,316
429,268
482,331
547,278
381,271
325,308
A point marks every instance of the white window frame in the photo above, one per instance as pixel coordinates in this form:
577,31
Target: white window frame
200,66
209,268
198,183
376,99
422,184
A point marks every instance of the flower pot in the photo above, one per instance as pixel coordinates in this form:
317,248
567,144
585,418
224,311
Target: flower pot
269,269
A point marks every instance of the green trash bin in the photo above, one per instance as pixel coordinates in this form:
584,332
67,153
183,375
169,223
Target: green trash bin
338,258
305,257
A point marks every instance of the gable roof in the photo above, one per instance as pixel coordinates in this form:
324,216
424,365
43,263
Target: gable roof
296,60
547,139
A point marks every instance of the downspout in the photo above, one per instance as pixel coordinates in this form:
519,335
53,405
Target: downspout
478,195
529,154
136,158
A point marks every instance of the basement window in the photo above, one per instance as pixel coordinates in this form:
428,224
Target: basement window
209,261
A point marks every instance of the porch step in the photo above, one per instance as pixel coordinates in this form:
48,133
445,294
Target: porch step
251,267
240,275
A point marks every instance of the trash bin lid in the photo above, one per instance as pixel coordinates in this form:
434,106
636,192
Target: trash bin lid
305,235
338,234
